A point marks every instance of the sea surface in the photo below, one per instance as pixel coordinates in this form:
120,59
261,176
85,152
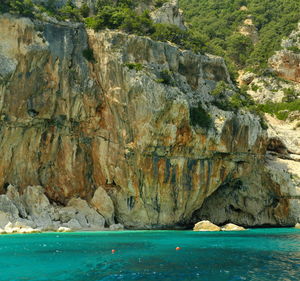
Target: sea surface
259,254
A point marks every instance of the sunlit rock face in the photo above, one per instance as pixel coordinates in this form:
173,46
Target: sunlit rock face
135,119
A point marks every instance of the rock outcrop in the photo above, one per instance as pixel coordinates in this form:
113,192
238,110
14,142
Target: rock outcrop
169,13
249,29
286,62
132,133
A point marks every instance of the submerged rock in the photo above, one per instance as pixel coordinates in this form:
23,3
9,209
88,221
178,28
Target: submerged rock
206,226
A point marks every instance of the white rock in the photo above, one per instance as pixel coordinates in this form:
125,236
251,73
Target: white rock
9,228
232,227
206,226
117,226
64,229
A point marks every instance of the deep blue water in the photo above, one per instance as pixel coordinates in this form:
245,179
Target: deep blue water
261,254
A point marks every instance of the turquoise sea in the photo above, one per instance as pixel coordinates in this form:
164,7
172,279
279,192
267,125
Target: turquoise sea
260,254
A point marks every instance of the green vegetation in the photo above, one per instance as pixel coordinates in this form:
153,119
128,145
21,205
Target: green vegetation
69,11
290,95
84,10
280,110
233,100
135,66
184,39
217,23
166,77
18,7
220,88
294,49
199,117
254,87
89,55
121,15
229,99
159,3
110,14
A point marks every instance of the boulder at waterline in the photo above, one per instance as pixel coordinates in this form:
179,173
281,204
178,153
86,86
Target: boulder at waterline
206,226
232,227
117,226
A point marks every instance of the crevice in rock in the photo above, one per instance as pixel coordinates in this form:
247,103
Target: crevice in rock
277,146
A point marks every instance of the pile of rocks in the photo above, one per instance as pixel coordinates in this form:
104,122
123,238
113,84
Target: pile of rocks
209,226
31,212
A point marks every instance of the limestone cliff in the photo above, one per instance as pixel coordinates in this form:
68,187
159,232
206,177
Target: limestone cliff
136,120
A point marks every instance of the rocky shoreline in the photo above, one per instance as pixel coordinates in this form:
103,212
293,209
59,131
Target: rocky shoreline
32,212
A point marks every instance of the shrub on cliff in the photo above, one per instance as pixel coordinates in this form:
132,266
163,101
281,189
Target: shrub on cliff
88,54
121,18
183,38
199,117
69,11
19,7
159,3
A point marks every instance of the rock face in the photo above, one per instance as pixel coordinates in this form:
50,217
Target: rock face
143,145
286,62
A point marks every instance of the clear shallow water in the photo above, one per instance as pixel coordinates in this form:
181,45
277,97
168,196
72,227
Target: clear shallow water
261,254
